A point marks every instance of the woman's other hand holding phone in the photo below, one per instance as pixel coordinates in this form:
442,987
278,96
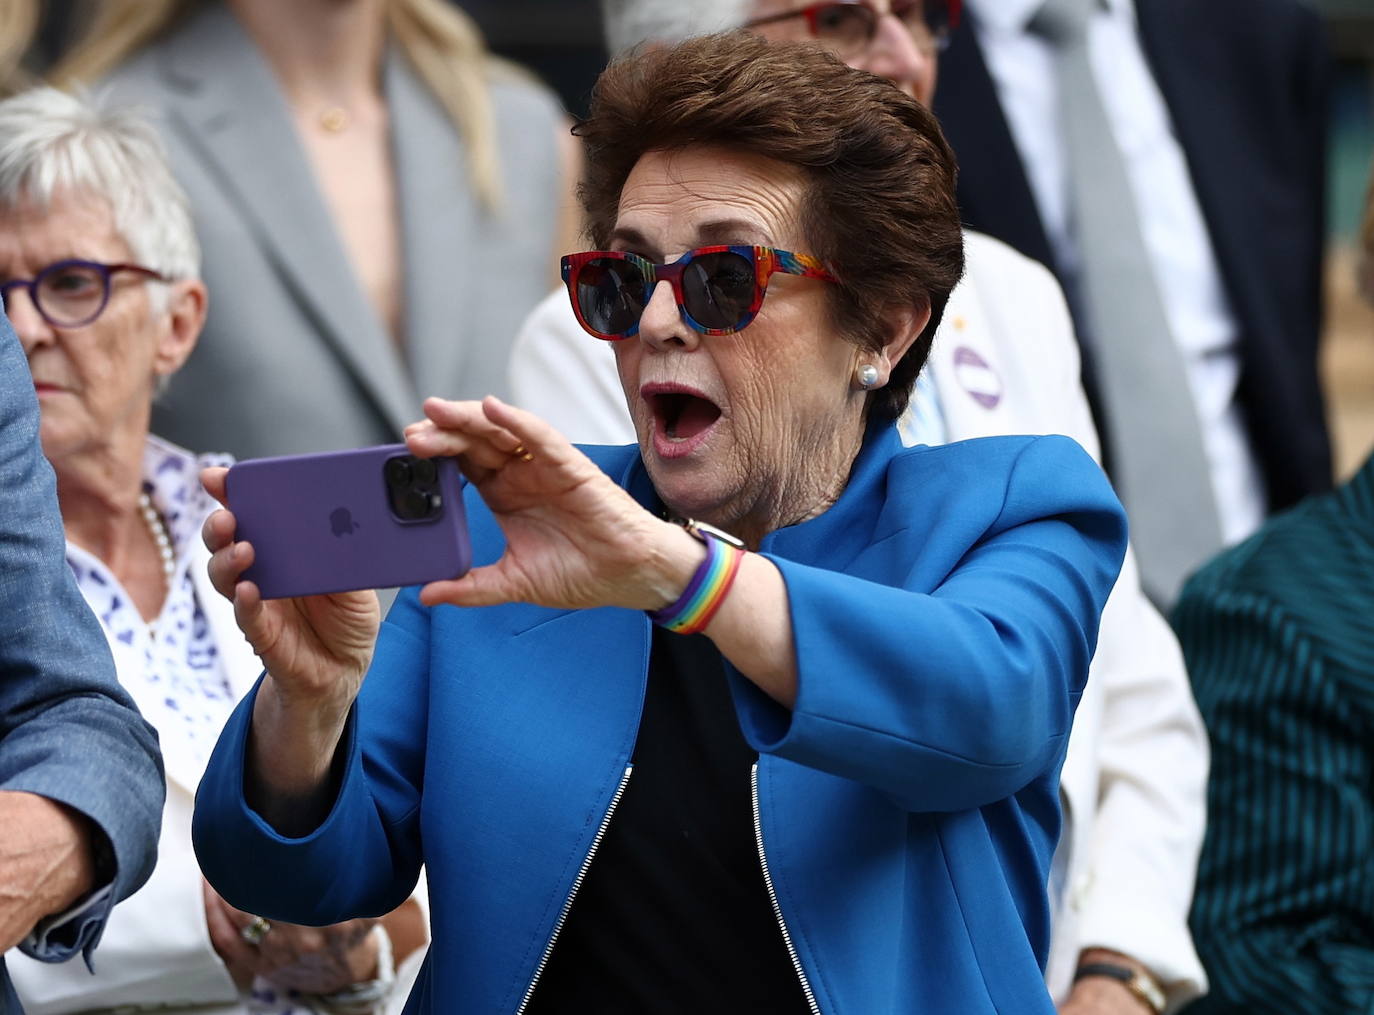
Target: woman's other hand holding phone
574,539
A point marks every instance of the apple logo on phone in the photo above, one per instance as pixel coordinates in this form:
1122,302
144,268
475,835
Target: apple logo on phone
341,522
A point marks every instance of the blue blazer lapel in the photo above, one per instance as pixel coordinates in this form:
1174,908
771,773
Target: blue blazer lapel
224,98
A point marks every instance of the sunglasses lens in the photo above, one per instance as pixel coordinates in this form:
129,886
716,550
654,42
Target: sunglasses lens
610,295
846,27
718,290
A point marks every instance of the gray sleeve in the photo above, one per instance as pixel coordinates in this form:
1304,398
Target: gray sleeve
68,731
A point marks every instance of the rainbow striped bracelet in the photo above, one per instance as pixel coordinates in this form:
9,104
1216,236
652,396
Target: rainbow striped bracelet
693,610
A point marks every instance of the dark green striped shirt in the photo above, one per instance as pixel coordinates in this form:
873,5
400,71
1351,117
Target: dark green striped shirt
1279,638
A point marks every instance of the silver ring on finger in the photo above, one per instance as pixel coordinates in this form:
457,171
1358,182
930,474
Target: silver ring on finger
254,932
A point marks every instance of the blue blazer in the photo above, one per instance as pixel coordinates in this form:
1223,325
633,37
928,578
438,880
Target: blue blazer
67,729
945,609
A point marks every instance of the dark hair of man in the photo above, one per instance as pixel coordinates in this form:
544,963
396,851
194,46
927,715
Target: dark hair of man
880,209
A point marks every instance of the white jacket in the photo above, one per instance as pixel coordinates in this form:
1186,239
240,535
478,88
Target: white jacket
1005,361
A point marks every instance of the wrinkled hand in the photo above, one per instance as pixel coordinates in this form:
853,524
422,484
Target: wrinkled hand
312,960
316,647
574,538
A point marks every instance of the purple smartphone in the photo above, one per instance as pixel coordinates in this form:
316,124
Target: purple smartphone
366,519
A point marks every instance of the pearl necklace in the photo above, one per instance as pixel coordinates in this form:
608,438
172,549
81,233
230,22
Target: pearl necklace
160,536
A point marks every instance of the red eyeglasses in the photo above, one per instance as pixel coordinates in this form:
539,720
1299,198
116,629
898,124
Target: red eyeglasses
849,26
718,290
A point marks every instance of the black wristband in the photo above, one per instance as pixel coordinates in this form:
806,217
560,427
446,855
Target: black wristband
1108,969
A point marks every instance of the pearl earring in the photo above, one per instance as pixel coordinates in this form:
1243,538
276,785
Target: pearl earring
867,375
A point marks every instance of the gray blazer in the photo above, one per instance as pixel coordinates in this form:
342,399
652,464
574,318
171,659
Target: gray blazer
294,357
67,729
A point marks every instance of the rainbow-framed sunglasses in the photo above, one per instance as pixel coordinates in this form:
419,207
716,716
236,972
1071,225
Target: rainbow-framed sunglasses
718,290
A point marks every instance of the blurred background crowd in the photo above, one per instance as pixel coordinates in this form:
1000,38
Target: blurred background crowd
564,43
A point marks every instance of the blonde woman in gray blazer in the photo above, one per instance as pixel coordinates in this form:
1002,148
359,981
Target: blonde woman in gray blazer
379,202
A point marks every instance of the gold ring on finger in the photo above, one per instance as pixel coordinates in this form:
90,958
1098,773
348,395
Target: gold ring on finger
254,932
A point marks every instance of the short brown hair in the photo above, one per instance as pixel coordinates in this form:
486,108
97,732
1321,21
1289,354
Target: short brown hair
880,209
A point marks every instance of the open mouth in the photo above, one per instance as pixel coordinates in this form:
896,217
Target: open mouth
681,416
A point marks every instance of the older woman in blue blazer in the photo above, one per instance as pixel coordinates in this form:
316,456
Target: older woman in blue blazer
763,714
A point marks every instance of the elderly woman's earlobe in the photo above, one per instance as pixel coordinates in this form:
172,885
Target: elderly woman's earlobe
901,330
185,310
900,352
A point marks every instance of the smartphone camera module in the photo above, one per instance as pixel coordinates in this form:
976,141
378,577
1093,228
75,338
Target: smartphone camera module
412,488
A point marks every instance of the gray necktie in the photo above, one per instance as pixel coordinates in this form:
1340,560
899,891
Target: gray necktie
1159,465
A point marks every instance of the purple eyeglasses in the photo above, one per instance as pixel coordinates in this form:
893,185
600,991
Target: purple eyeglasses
69,294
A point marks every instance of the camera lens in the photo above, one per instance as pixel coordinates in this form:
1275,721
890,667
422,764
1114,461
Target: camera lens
424,471
415,504
398,472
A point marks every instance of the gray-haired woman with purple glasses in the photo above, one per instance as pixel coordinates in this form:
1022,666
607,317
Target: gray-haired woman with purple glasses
99,270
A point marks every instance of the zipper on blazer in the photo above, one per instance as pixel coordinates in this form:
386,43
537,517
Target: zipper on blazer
572,894
773,896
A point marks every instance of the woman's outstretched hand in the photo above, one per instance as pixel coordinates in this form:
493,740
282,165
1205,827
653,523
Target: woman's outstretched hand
574,539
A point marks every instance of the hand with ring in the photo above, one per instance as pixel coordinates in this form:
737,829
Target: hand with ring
574,539
255,931
312,960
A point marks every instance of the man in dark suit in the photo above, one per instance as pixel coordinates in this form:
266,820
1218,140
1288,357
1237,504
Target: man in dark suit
1240,89
80,775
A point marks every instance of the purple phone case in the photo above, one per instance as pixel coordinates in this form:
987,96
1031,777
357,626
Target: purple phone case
323,523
